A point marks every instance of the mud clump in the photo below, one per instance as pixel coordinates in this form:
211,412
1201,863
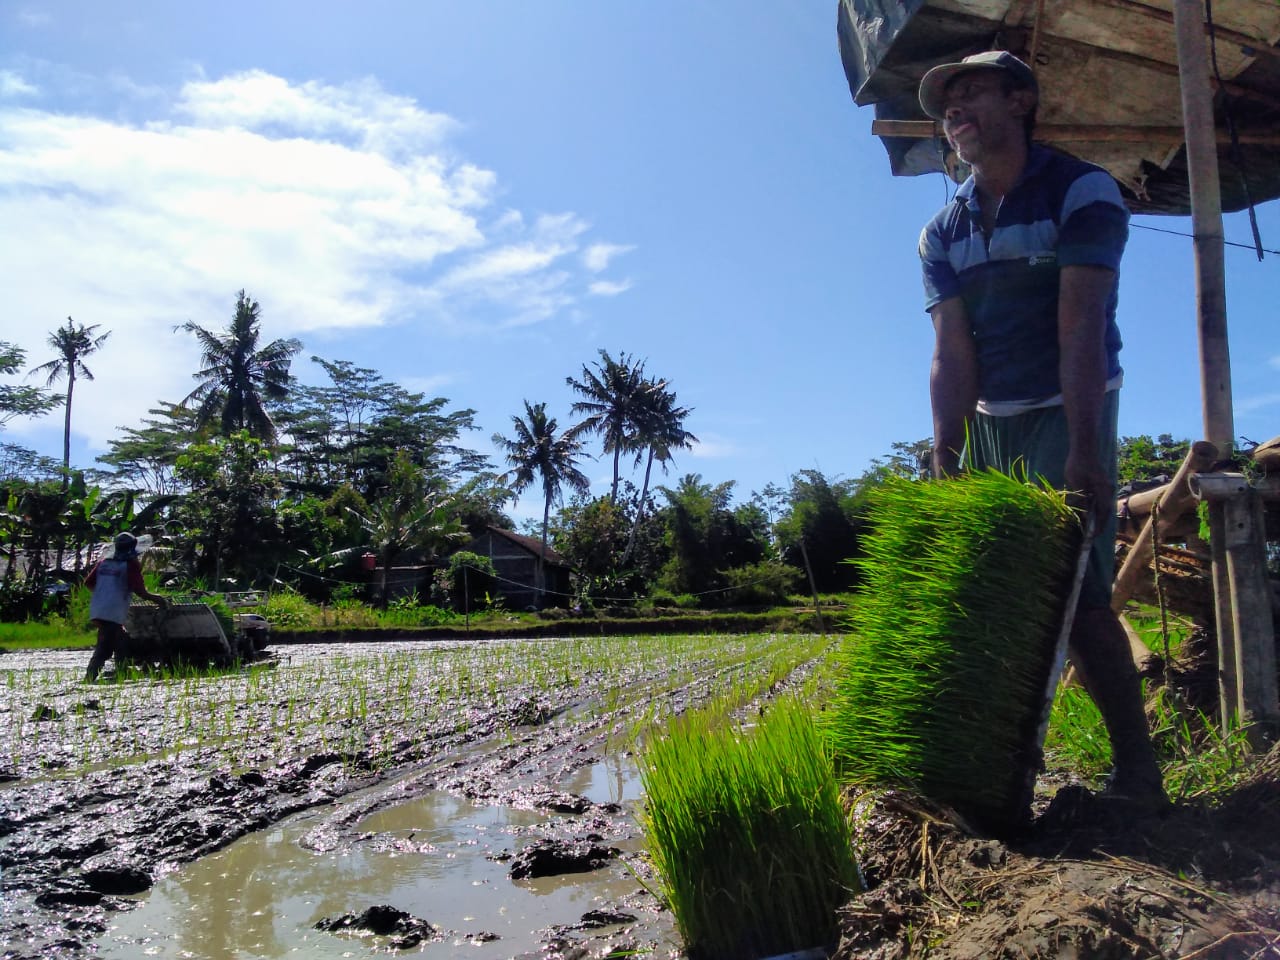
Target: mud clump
553,858
403,930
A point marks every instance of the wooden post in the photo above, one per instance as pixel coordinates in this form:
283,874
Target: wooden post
1206,223
1256,690
1242,595
1175,498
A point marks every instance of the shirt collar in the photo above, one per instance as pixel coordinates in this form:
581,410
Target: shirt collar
1037,157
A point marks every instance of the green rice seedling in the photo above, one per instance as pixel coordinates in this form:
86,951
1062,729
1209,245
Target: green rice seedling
748,833
942,678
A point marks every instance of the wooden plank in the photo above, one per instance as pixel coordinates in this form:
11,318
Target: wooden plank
1078,133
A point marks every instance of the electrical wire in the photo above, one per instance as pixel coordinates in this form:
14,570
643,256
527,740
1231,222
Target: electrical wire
1192,236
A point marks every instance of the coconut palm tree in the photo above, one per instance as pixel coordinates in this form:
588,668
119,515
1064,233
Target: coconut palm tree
539,452
660,428
72,342
614,400
237,377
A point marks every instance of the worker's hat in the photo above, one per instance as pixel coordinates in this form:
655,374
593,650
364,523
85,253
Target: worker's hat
933,87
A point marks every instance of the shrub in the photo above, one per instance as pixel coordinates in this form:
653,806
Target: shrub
22,600
288,610
470,580
761,584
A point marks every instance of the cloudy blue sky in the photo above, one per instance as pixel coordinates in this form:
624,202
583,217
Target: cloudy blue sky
474,198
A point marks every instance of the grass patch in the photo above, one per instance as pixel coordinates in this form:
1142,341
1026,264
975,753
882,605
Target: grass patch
942,677
57,634
748,833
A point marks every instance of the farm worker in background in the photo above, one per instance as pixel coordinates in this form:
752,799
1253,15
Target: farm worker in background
112,581
1021,275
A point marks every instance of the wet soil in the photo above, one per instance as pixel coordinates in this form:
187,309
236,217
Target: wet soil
104,790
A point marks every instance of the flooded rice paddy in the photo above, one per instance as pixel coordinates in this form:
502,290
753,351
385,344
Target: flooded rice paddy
475,799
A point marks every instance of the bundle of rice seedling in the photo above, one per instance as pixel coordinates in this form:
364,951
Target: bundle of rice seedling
942,679
747,832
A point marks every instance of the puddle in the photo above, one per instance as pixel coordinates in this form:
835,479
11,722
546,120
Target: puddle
612,780
262,896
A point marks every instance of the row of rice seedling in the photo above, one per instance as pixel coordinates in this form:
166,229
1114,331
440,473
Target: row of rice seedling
747,831
419,689
942,677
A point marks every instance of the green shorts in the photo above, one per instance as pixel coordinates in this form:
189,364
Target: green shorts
1036,441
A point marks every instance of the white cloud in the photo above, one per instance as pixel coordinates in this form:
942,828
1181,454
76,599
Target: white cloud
608,288
1275,362
711,446
345,203
30,17
1248,405
597,256
13,85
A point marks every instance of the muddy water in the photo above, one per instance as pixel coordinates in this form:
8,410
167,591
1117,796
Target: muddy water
439,857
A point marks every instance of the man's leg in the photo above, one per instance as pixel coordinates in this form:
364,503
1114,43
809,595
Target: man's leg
1099,649
1036,442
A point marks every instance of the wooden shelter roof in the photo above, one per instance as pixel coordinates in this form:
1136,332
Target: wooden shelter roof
1108,73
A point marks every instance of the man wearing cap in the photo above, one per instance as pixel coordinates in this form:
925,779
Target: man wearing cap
112,581
1020,275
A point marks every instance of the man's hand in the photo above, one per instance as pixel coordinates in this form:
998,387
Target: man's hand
1086,475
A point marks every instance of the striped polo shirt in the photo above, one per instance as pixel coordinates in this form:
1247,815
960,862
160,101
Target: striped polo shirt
1061,212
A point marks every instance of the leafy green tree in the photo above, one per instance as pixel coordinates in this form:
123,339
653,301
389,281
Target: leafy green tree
72,342
615,395
144,458
1142,458
479,502
17,400
412,514
821,525
227,524
238,379
707,536
539,453
350,430
594,536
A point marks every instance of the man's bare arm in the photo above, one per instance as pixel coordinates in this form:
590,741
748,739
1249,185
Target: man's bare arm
953,383
1082,320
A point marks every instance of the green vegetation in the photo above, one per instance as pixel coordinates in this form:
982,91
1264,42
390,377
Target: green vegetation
748,833
941,679
1198,758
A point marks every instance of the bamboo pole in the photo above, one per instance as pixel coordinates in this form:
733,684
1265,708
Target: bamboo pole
1175,498
1206,223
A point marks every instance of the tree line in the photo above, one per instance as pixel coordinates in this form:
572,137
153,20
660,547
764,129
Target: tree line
256,480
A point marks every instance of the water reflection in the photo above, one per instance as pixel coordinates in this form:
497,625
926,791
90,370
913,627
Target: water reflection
430,857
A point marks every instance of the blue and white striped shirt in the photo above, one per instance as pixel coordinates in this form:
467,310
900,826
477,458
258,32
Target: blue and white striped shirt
1061,212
